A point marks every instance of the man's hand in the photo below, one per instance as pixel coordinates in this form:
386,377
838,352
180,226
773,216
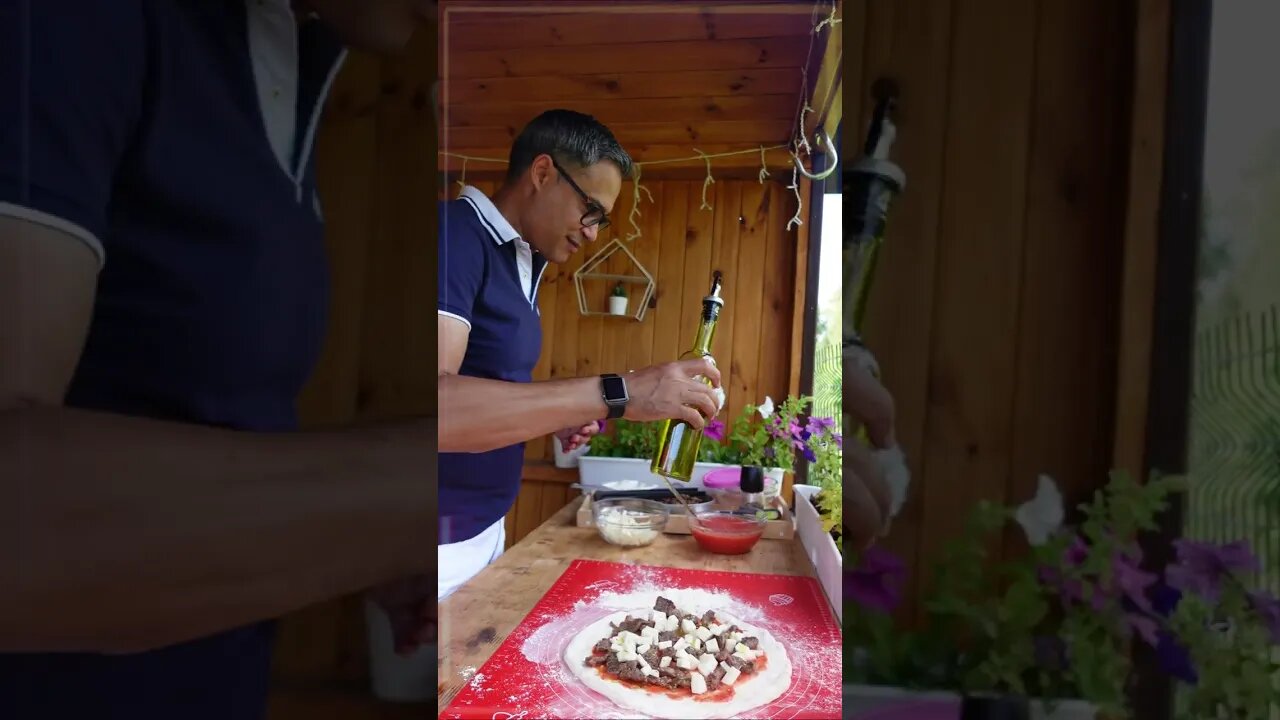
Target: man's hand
868,501
412,608
866,399
574,438
669,391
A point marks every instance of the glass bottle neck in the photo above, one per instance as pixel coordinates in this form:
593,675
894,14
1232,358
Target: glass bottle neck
706,330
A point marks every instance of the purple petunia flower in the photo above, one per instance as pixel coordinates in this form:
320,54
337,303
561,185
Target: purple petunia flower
1202,567
1175,659
876,581
1164,599
714,430
1133,582
818,424
1268,610
1146,627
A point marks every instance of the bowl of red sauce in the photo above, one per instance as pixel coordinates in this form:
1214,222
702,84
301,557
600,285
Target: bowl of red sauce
726,532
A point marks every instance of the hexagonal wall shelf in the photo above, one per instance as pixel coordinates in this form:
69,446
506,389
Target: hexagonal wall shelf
588,272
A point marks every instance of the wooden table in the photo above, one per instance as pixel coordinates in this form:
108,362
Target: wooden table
477,618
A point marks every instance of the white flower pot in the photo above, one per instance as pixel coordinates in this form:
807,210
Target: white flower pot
617,305
859,699
820,547
568,459
394,678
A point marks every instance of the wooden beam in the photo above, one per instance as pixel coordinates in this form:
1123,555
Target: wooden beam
646,132
482,31
627,57
825,99
611,110
1141,234
638,84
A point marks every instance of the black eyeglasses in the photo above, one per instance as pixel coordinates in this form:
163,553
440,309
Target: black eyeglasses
595,214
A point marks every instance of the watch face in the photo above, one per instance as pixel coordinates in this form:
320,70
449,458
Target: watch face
615,390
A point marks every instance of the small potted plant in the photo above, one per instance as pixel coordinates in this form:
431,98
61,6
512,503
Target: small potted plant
618,300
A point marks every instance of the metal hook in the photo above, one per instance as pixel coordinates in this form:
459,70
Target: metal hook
835,159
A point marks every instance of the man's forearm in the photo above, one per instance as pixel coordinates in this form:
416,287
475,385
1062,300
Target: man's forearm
125,534
478,414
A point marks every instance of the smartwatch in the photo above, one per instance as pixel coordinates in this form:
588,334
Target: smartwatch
614,390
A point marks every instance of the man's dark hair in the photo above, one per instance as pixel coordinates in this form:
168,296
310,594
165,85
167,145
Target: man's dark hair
570,137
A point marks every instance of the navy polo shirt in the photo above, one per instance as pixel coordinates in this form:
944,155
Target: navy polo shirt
489,280
174,138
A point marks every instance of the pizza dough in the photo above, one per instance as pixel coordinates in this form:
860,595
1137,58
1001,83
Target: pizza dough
751,691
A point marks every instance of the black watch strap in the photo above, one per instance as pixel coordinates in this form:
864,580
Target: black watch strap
614,391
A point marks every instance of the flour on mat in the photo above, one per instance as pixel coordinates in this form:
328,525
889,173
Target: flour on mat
467,672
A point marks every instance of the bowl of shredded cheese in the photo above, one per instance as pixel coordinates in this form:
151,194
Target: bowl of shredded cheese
629,522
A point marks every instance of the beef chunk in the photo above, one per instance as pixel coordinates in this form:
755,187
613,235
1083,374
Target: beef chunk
663,680
633,624
745,666
651,657
723,654
603,646
611,664
753,643
708,617
666,635
630,670
670,652
664,606
733,629
713,680
596,660
653,679
679,676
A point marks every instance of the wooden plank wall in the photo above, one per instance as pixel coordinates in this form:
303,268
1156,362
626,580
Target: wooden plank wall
993,314
743,235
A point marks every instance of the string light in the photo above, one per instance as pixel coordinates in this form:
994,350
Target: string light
635,205
705,183
764,168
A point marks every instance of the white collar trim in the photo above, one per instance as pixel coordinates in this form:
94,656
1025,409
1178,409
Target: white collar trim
497,225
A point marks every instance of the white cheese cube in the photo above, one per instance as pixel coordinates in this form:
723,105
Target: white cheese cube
664,644
687,626
697,644
626,656
741,648
642,649
650,672
673,622
681,644
712,645
659,618
644,664
665,661
616,648
633,637
744,656
717,629
689,639
702,633
697,684
730,676
648,632
686,662
706,664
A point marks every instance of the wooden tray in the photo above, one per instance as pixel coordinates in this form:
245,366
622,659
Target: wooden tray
783,528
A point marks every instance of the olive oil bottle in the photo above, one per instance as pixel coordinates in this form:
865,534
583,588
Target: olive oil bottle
679,444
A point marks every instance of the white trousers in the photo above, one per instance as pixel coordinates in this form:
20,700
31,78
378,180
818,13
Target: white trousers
461,561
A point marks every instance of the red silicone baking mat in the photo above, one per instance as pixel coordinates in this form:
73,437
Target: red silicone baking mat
526,677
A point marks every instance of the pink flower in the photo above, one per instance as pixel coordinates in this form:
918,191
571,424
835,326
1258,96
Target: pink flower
714,430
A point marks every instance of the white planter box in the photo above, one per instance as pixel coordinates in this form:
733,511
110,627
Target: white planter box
859,699
820,547
594,472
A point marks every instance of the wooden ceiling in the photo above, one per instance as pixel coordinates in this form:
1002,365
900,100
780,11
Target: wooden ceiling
668,78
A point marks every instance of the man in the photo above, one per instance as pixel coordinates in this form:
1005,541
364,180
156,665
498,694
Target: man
163,285
562,180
